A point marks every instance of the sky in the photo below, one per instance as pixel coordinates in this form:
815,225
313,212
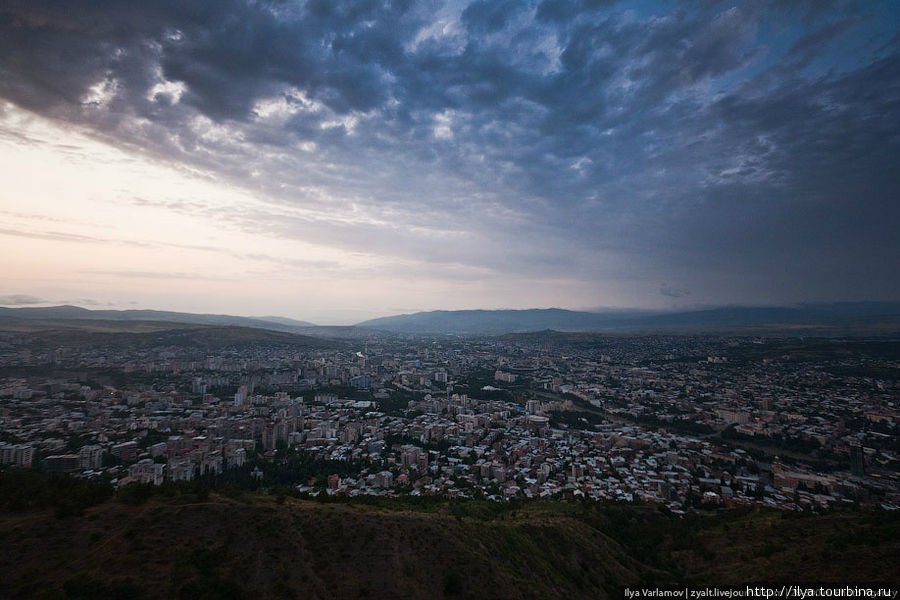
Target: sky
335,161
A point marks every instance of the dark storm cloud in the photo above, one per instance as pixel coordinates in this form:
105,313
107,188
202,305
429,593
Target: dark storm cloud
488,15
561,11
576,137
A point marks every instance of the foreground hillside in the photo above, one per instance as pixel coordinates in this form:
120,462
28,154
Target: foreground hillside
253,546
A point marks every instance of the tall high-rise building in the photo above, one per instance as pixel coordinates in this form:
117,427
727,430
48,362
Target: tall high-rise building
240,395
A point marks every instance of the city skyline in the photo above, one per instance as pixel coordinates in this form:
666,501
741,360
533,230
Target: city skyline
336,162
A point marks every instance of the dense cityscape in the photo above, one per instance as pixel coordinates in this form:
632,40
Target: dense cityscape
690,422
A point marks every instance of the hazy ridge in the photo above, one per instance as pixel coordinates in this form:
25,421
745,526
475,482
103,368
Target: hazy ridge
76,312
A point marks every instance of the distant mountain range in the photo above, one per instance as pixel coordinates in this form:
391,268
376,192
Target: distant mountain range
822,318
842,318
75,312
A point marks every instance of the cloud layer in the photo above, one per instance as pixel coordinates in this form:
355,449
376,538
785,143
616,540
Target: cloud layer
743,152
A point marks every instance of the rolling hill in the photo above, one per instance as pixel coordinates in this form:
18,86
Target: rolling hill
48,334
